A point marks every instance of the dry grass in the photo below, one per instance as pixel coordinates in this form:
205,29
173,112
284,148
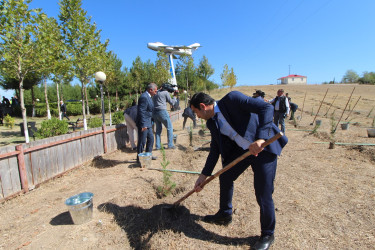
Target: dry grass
324,198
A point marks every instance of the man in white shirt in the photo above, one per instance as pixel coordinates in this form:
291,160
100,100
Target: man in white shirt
282,108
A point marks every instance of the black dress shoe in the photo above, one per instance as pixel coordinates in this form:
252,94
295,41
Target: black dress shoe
219,219
264,242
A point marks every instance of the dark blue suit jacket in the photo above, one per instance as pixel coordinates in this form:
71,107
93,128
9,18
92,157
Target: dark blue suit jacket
145,108
251,118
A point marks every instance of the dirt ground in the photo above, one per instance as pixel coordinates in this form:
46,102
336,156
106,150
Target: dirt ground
324,198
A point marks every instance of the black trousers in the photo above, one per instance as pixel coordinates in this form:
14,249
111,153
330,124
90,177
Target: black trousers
264,169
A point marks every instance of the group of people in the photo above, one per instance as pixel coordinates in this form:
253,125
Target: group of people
151,108
237,123
282,107
7,107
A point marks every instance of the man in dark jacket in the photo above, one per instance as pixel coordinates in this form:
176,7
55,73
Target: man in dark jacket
188,113
144,120
63,110
282,108
239,123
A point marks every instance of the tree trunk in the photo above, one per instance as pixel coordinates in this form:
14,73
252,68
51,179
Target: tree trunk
87,102
58,100
46,96
109,109
33,101
83,105
117,106
24,118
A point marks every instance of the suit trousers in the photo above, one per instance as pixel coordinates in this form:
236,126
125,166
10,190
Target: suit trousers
264,169
279,118
145,138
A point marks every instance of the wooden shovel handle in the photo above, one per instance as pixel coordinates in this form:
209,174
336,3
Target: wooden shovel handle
229,166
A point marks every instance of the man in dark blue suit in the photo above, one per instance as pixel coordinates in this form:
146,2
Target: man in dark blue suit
238,123
144,122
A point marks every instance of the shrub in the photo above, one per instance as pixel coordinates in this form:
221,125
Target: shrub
9,121
51,128
95,122
118,117
74,109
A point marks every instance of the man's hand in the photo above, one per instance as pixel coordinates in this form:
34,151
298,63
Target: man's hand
198,183
144,129
256,147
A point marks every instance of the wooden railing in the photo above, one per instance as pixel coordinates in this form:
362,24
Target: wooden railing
25,166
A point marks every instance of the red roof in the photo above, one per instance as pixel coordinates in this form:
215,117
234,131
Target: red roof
290,76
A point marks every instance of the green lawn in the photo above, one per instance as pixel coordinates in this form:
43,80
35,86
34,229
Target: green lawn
12,136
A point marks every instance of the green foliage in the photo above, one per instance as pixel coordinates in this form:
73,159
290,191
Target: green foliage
74,108
315,129
118,117
168,184
367,78
203,124
9,121
95,122
350,77
228,77
333,127
52,127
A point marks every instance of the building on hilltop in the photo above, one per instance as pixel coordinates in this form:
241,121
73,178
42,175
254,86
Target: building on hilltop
293,79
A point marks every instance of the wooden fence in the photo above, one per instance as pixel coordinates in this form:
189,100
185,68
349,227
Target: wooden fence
25,166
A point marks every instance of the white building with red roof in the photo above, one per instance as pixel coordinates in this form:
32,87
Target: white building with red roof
293,79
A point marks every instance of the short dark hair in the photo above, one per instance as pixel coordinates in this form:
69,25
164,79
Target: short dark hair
201,97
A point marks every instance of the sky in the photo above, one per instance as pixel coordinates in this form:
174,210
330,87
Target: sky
261,40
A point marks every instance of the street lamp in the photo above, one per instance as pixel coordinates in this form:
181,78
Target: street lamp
100,77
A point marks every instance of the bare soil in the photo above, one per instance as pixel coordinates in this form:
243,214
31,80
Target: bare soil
324,198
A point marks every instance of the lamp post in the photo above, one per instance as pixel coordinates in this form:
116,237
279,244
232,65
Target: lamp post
100,77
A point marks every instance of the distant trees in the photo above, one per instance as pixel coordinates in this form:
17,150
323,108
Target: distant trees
367,78
228,78
350,76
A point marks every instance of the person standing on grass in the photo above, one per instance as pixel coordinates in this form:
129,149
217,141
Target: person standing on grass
239,123
63,110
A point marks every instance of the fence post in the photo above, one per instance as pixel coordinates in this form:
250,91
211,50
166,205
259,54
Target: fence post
22,168
104,138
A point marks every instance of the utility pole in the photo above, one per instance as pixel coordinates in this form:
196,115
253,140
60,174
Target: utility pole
289,70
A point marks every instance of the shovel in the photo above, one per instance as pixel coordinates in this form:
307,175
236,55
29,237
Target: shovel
227,167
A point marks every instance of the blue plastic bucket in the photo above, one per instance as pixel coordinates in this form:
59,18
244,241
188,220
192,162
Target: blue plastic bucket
80,207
